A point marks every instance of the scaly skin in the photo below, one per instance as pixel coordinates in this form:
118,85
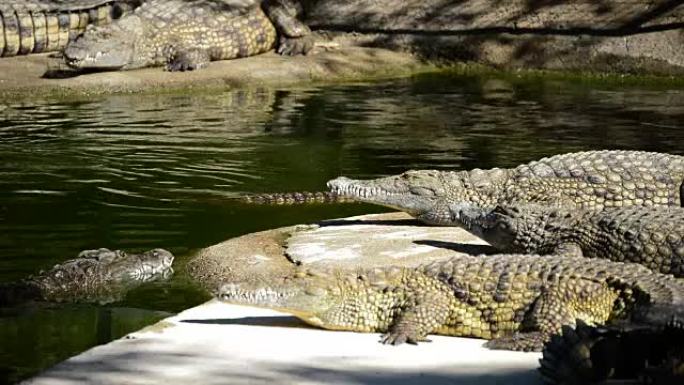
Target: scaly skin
642,354
100,276
295,198
592,180
651,236
517,301
186,35
35,26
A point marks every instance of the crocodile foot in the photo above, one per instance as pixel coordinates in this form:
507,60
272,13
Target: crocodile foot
292,46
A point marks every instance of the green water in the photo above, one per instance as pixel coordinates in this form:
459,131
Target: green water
137,172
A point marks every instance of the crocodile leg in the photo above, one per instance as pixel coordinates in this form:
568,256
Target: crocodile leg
188,60
295,36
563,304
416,321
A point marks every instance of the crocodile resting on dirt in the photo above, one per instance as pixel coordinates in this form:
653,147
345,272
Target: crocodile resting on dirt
643,354
100,276
592,180
516,301
651,236
188,34
35,26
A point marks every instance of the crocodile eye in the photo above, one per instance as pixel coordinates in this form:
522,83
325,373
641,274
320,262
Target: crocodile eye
422,191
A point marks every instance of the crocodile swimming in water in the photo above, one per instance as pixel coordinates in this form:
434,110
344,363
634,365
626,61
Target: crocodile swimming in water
100,276
35,26
651,353
188,34
592,180
651,236
516,301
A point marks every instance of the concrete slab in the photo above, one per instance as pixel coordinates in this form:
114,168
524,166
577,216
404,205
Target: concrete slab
223,344
351,243
379,240
217,343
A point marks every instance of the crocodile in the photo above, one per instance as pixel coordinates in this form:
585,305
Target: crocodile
187,34
591,179
642,353
651,236
294,198
36,26
99,275
516,301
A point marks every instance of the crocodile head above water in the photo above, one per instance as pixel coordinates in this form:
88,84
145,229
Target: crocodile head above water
425,194
100,275
141,267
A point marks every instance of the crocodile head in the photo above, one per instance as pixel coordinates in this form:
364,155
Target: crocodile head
143,267
426,194
100,275
320,298
496,226
524,228
109,47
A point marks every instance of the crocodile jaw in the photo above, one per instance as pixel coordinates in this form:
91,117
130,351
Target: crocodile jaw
292,300
108,47
397,192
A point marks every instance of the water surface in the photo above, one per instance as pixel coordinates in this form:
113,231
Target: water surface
137,172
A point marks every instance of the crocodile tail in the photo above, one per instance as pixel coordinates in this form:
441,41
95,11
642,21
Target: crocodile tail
588,354
294,198
567,357
25,30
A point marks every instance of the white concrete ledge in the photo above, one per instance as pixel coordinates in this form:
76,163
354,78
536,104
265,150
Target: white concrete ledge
216,343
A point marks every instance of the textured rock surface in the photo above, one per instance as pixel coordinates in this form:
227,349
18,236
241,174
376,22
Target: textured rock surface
611,35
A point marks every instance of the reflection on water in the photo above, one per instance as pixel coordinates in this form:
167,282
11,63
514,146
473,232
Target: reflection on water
143,171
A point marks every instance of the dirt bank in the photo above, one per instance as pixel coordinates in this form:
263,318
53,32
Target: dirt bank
23,75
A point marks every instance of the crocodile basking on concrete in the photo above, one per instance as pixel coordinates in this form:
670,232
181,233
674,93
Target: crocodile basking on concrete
100,276
642,353
592,180
651,236
35,26
516,301
188,34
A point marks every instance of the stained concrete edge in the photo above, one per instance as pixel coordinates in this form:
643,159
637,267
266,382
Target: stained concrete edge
216,343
